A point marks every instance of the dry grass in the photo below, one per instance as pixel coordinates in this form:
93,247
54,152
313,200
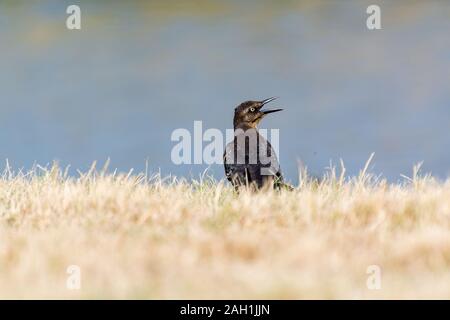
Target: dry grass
135,237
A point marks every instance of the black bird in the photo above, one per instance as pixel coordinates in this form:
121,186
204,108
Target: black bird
249,159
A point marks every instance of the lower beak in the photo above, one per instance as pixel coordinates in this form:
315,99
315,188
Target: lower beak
270,111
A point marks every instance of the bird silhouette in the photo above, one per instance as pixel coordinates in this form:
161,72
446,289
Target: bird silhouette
250,160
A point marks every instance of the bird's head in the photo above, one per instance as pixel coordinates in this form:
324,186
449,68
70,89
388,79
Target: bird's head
249,113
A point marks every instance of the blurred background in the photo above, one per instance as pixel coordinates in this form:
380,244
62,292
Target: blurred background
140,69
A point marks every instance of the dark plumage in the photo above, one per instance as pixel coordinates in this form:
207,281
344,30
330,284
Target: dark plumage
249,159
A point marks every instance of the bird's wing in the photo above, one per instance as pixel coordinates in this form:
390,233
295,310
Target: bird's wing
274,165
234,170
268,168
251,159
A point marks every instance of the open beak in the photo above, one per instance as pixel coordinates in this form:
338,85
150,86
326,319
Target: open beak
266,101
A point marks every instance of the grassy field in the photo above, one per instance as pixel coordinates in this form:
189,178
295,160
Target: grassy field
134,236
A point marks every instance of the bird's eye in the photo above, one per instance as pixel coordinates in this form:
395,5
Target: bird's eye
252,109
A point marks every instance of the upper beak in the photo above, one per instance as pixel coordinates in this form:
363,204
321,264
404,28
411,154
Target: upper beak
266,101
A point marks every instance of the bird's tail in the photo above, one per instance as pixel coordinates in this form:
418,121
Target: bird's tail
279,184
286,186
